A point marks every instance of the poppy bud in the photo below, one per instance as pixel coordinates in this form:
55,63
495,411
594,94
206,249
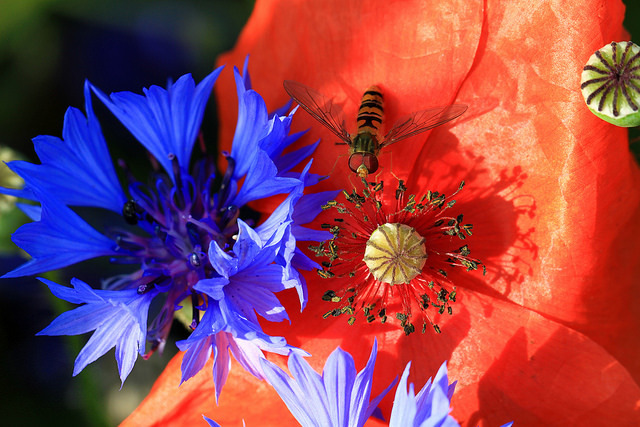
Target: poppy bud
611,83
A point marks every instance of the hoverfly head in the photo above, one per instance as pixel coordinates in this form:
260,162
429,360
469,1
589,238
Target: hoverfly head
363,163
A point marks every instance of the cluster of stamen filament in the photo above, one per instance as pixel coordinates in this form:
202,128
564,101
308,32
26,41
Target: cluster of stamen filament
179,218
359,217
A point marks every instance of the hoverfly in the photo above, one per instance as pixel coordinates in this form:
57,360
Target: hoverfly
366,144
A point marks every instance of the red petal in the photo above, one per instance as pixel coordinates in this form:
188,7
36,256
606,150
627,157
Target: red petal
549,336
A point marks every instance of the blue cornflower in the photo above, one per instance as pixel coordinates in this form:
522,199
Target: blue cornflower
338,397
186,232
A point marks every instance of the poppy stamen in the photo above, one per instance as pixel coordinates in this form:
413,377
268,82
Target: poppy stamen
393,258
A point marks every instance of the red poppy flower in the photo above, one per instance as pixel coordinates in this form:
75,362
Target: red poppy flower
550,335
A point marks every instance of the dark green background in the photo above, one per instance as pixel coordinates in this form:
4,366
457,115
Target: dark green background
47,49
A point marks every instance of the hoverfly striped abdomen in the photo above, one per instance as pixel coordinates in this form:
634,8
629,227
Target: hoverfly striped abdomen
365,144
371,111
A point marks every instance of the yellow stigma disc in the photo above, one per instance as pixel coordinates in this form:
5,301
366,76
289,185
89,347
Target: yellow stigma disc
395,253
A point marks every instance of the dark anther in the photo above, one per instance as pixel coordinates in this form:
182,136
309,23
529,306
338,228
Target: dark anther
132,212
401,189
408,328
194,259
328,296
325,274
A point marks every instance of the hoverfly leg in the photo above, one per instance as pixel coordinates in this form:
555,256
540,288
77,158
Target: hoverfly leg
334,165
390,154
359,178
351,182
375,178
391,166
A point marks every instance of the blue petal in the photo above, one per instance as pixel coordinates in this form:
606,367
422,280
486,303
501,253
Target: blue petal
339,375
119,319
23,193
290,160
76,169
165,121
313,389
404,408
224,329
430,407
291,394
245,73
197,353
210,421
222,262
59,239
251,127
276,137
248,245
34,212
262,181
221,362
277,230
254,289
272,230
281,111
212,287
250,278
360,406
80,293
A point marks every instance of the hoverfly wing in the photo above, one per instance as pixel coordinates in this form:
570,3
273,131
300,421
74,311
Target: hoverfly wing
321,108
422,121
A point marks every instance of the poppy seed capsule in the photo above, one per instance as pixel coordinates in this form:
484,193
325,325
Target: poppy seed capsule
610,83
395,253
